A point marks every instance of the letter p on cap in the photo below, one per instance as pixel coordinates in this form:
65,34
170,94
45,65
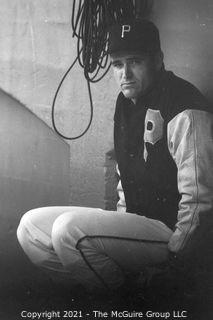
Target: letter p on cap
125,28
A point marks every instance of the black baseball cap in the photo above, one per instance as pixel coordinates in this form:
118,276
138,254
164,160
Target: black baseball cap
138,36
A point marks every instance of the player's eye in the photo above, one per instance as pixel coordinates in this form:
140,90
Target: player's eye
117,64
135,61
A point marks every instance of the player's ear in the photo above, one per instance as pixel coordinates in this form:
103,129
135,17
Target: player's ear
159,56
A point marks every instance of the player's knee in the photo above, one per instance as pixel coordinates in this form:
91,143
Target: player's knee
68,228
23,230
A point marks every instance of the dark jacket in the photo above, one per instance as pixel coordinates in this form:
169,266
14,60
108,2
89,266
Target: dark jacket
158,149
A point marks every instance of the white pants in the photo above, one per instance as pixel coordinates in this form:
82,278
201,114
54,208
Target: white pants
93,247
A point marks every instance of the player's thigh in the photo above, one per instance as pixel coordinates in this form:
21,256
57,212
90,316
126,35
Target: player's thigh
43,218
131,240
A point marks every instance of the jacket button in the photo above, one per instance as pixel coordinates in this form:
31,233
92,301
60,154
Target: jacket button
149,126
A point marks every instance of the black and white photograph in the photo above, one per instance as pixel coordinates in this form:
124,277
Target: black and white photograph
106,166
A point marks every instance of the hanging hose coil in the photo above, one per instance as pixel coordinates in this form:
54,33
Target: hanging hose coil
90,22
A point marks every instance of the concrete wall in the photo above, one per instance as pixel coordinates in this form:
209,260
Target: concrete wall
36,48
34,172
186,28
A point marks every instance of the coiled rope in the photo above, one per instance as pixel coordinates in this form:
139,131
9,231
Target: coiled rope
90,22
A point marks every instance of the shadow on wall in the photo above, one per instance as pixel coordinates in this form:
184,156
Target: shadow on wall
186,29
34,172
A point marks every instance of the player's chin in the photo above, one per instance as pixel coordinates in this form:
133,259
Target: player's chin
129,93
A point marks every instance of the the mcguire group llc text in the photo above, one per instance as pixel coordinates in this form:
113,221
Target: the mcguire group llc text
98,314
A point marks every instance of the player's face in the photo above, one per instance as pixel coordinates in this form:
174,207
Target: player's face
134,73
